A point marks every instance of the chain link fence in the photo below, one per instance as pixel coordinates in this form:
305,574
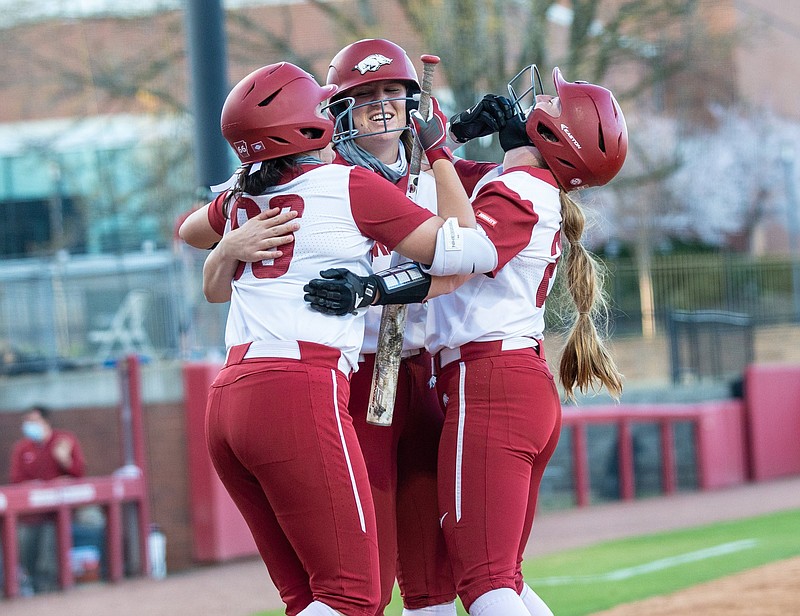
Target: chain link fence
67,312
77,311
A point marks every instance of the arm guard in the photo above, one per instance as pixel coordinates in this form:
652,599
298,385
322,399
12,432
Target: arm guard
403,284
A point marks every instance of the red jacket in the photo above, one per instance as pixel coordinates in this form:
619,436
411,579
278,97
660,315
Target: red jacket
31,460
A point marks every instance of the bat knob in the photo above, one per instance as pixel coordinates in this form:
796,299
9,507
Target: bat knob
429,59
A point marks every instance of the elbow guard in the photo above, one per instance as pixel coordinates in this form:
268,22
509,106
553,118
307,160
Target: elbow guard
461,250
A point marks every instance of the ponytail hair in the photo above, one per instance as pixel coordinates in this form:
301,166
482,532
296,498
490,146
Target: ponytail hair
585,361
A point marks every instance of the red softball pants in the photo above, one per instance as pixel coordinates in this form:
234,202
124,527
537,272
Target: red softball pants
401,462
502,423
283,444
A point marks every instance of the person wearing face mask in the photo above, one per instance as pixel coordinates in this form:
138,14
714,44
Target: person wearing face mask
44,453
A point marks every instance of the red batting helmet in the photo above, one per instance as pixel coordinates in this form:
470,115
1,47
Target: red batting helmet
273,113
586,145
371,60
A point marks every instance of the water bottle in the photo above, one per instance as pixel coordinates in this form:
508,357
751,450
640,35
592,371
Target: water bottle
157,552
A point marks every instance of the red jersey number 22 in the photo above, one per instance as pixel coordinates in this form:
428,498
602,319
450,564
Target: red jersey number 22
274,267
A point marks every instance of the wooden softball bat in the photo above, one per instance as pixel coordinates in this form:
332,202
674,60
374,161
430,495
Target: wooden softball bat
393,317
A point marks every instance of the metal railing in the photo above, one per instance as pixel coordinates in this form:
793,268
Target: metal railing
758,287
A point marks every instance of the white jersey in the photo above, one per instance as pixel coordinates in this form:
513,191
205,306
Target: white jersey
520,211
382,258
342,212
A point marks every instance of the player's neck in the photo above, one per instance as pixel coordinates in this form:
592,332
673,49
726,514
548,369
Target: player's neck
525,156
383,147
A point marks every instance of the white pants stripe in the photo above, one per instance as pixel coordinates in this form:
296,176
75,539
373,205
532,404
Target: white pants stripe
462,413
347,453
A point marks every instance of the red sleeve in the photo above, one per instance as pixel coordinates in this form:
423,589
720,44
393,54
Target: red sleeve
78,466
16,463
216,216
381,211
470,172
507,219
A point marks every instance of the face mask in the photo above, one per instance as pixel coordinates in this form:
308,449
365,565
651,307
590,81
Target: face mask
33,431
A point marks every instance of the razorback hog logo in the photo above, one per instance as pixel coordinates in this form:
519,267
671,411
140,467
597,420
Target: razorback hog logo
372,63
565,128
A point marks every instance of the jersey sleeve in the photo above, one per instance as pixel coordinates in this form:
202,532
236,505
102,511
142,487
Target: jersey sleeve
78,466
381,211
470,172
507,219
216,214
16,474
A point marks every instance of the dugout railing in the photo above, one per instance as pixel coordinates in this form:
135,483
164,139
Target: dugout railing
122,496
718,447
61,498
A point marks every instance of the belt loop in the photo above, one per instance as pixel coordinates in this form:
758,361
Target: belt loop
236,353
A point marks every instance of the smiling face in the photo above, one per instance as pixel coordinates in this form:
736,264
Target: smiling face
379,116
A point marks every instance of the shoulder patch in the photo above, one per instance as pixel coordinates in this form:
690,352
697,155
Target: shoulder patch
484,217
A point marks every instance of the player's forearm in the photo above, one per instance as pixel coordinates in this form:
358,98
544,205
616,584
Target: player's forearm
451,198
442,285
218,272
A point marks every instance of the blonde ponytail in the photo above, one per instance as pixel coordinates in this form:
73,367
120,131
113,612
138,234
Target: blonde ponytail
585,361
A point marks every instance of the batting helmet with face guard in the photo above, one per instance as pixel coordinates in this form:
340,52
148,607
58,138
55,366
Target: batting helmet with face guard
371,60
363,62
274,112
587,143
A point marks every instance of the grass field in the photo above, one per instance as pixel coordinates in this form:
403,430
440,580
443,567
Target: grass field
587,580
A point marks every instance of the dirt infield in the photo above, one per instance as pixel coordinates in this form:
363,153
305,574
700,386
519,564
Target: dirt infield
243,588
771,590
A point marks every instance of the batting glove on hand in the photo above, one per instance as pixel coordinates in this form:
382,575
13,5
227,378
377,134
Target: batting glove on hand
489,115
513,134
431,132
340,292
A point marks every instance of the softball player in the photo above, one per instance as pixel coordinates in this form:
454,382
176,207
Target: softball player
277,425
503,413
401,459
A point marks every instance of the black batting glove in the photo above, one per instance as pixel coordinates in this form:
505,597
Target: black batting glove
513,134
340,292
488,116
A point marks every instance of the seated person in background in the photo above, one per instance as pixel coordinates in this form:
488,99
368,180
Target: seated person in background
44,453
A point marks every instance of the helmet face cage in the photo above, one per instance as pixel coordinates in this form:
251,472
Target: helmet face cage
368,61
343,108
536,87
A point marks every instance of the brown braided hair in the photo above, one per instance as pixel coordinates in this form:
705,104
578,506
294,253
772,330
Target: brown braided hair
585,361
